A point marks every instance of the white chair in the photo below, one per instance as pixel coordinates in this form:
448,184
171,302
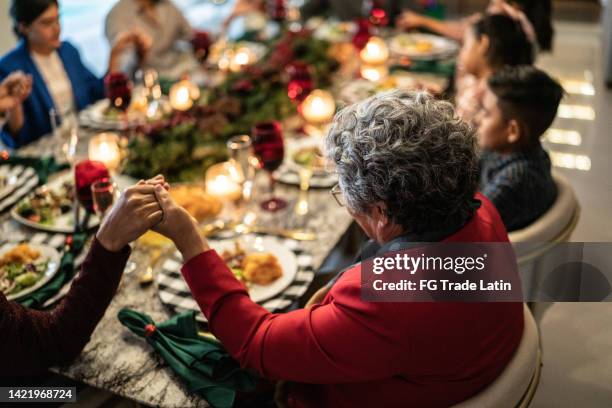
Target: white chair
517,384
537,245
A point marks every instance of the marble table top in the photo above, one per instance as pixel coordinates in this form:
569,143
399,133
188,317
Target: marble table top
120,362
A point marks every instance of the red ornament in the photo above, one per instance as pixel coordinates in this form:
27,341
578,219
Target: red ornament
4,155
149,330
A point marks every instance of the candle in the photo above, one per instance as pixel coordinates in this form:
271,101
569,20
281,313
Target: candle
375,52
104,147
242,57
319,107
374,73
223,182
181,95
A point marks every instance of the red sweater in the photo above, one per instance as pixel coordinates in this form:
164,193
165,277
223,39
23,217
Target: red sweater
347,353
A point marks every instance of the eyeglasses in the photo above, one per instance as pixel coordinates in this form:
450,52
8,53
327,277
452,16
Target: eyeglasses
338,196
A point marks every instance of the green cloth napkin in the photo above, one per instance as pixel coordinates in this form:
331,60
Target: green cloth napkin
202,363
44,166
66,271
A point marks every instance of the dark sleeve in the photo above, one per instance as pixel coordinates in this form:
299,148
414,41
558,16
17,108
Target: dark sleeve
32,341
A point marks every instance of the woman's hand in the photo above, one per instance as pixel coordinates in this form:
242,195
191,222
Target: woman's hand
178,225
136,211
409,20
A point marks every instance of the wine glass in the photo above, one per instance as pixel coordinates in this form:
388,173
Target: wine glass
119,92
65,128
104,193
269,148
300,81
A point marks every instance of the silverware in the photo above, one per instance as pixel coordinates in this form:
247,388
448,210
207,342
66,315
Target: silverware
219,226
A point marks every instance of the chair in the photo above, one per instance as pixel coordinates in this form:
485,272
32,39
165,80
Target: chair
517,384
537,245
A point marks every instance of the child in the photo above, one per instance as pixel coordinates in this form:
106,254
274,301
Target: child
493,42
519,104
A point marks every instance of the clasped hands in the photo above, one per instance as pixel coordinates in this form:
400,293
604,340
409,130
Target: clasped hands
145,206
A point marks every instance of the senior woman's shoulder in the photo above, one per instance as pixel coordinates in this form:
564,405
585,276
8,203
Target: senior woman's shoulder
488,224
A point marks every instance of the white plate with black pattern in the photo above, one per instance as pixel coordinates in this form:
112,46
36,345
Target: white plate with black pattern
15,182
297,270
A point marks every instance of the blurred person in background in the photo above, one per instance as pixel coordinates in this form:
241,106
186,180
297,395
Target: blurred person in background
59,79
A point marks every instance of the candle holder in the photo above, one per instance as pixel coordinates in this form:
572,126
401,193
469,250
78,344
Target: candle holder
104,148
318,109
374,73
223,181
375,52
183,94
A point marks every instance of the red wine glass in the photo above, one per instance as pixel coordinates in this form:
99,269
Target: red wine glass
269,148
300,81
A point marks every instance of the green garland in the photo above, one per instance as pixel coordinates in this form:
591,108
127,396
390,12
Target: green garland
185,145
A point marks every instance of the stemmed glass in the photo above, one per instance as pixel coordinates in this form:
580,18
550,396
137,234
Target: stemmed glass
104,192
267,138
65,128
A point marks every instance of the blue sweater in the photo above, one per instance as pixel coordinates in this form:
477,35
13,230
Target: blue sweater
519,184
86,88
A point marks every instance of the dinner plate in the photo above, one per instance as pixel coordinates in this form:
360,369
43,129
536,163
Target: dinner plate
15,182
257,243
334,31
64,223
95,116
46,253
422,46
295,146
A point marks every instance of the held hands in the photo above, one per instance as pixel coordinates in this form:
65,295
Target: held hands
177,225
14,89
136,211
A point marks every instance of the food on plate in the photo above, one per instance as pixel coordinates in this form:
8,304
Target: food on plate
416,46
196,201
45,204
261,268
309,157
20,268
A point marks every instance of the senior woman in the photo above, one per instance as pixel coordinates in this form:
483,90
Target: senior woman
407,172
58,78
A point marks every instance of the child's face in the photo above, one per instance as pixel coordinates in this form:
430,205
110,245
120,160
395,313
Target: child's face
494,131
471,58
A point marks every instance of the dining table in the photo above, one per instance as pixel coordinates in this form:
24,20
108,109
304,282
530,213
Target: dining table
116,360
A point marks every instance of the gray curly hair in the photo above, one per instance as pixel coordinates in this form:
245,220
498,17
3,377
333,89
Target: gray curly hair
409,151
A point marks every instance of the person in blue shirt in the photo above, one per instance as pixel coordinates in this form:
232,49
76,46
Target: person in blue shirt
60,80
519,105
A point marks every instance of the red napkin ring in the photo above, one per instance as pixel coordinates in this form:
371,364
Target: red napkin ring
149,330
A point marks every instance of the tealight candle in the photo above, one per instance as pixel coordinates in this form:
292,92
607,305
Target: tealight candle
181,95
375,52
223,182
104,147
319,107
242,57
374,73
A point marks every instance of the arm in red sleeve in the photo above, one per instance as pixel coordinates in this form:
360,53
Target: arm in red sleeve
342,341
31,341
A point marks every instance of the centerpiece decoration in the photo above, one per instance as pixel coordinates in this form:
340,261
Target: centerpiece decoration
185,144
